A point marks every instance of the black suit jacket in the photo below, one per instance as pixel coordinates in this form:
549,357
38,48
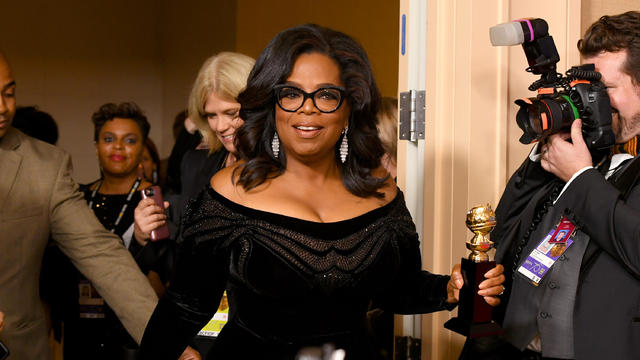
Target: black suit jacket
607,307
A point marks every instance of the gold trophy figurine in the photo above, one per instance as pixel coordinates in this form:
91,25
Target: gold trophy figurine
474,314
480,220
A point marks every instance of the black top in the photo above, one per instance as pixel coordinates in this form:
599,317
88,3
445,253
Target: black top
106,207
92,337
156,255
290,282
197,169
184,142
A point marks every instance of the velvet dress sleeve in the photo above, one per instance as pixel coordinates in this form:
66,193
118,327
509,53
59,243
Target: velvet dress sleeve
418,291
413,290
196,287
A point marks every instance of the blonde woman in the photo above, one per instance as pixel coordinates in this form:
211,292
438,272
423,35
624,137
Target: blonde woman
214,110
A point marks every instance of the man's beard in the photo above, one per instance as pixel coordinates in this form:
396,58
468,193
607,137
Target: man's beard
627,128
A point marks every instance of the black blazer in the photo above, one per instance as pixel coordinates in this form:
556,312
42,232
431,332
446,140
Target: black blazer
607,307
197,168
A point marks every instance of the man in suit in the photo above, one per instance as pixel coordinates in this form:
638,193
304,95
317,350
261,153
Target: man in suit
587,305
39,198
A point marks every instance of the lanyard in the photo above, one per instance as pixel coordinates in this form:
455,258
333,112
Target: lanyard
133,189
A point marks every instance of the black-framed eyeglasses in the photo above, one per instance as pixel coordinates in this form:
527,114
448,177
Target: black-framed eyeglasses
326,99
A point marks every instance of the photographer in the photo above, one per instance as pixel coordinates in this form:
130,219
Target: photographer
585,303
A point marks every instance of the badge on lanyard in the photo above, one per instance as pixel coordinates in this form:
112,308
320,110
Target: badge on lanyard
554,244
90,303
219,319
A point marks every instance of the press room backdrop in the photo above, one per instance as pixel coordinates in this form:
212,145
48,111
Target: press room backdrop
71,56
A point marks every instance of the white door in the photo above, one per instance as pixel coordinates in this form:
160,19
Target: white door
471,139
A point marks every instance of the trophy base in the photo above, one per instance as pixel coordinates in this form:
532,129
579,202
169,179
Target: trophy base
473,331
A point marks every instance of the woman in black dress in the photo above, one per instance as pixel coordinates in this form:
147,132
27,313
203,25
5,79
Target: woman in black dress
91,329
308,228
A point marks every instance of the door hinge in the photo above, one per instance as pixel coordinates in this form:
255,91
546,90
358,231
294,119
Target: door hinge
408,348
412,115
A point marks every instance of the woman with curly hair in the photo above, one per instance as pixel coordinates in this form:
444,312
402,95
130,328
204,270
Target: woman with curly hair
307,228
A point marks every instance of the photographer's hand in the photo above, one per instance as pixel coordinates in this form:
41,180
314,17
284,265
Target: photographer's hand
562,157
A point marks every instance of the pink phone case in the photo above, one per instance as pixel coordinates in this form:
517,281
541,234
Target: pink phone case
155,193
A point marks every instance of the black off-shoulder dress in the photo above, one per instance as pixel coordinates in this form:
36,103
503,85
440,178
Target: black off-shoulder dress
291,283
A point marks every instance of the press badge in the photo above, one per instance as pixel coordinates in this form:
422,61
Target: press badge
219,319
554,244
90,303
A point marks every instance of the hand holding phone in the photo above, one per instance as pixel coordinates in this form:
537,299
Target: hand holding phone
155,193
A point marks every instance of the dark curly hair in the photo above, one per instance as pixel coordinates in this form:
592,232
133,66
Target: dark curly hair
125,110
612,34
273,67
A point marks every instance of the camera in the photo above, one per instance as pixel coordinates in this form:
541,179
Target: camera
560,100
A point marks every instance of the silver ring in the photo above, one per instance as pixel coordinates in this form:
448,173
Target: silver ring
502,292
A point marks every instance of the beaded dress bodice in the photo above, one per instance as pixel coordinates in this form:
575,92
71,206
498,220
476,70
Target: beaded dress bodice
292,282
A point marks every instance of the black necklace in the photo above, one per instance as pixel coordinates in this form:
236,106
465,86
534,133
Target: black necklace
133,189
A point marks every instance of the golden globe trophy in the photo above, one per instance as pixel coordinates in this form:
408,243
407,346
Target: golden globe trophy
474,314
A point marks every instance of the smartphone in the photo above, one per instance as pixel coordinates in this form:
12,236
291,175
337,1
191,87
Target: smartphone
155,193
4,351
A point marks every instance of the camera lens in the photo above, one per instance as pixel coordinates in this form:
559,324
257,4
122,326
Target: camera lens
543,117
148,192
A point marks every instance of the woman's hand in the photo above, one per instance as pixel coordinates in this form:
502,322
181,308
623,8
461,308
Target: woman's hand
454,285
490,288
147,217
190,354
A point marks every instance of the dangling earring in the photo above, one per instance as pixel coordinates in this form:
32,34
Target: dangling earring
344,145
141,171
275,144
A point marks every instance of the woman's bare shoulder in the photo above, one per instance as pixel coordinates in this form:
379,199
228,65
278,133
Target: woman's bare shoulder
225,183
222,181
